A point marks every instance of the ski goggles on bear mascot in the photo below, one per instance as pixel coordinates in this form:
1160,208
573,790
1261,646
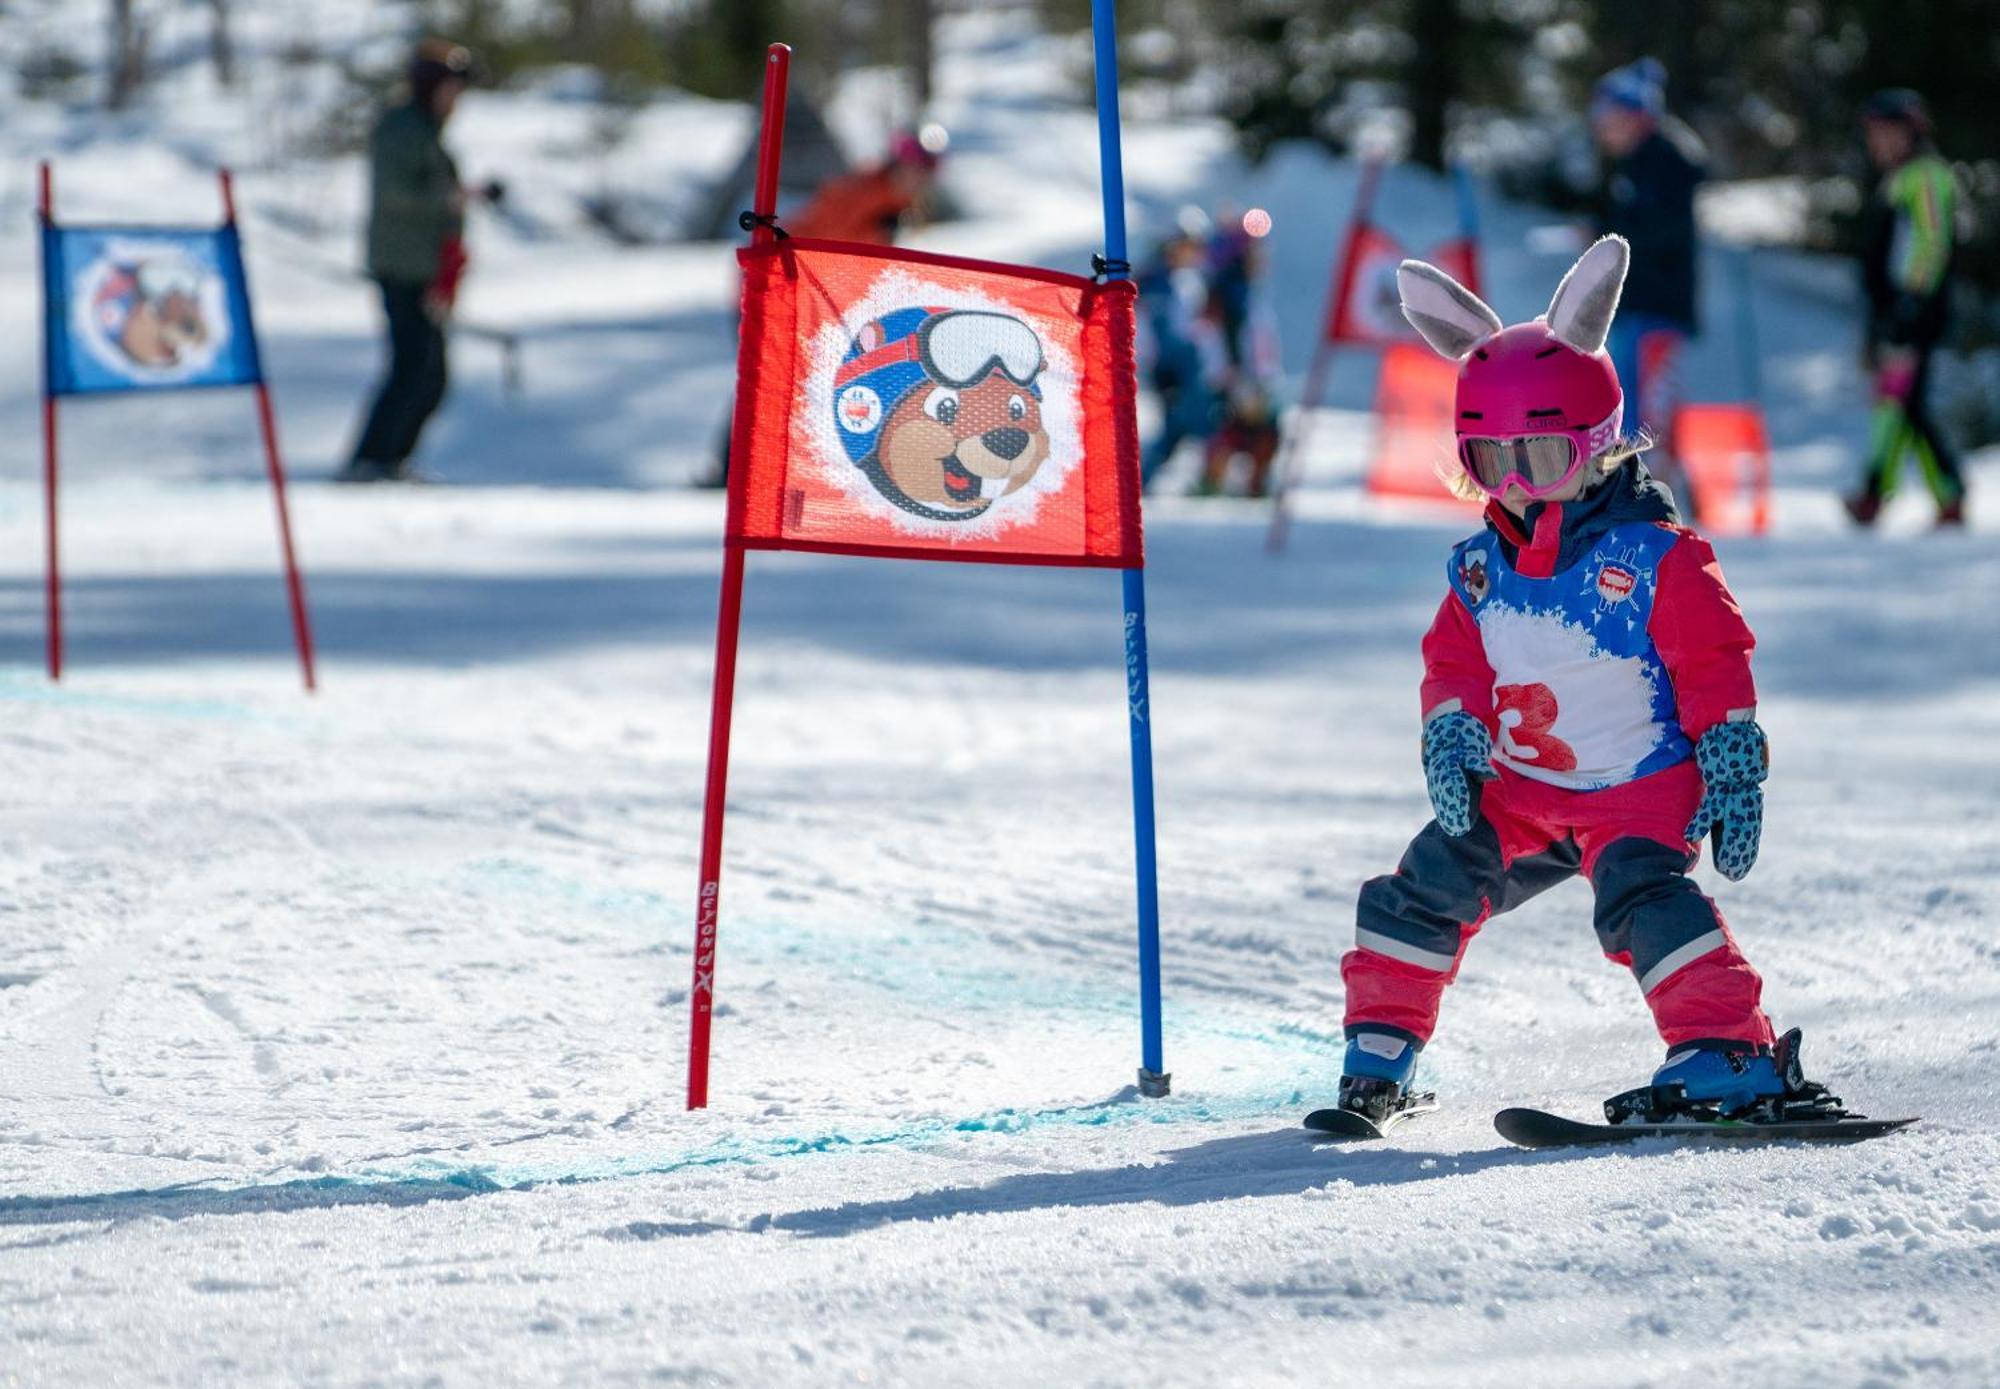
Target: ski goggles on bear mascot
1538,401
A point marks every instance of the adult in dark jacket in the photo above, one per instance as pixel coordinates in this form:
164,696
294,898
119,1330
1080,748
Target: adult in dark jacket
416,254
1908,236
1653,166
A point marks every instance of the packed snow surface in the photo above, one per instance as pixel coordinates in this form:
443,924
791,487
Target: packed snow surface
342,1038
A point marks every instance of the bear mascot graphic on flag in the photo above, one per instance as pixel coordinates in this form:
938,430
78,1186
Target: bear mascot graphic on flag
152,311
150,314
942,410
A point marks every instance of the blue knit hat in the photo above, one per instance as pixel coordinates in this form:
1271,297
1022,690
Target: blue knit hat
1639,86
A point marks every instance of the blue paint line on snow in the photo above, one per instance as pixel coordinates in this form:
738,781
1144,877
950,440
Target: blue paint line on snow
425,1181
1282,1100
1122,1110
33,687
1302,1055
1307,1054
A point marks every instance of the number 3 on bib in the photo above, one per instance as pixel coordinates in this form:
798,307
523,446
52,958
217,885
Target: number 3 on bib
1527,715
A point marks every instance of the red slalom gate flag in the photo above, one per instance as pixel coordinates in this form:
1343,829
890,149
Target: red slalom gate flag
1368,308
1459,258
895,403
1727,457
916,406
1414,400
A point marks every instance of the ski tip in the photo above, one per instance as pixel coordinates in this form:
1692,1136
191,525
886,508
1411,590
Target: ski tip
1891,1125
1337,1124
1529,1128
1340,1124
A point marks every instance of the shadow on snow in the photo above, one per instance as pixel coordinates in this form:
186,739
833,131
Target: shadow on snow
1285,1163
188,1202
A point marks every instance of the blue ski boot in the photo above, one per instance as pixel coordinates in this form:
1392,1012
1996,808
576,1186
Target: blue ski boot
1710,1081
1375,1077
1731,1076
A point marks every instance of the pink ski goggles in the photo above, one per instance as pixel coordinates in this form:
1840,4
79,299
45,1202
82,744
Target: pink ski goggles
1540,464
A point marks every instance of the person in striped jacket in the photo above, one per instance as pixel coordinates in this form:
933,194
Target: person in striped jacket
1908,235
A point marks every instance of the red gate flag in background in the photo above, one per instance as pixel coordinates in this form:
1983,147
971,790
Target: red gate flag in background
1367,307
1414,399
1727,458
896,403
1364,309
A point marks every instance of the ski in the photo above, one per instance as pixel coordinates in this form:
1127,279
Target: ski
1342,1124
1803,1111
1535,1128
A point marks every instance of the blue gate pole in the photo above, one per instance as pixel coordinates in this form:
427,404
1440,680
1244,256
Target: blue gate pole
1749,363
1468,201
1153,1078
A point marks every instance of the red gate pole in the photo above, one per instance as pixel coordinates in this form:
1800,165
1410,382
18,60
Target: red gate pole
295,584
274,463
1287,464
728,622
45,212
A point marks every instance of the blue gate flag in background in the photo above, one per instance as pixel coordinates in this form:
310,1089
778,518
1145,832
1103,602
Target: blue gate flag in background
134,309
150,308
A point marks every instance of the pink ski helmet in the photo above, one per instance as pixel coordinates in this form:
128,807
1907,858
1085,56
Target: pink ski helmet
1539,400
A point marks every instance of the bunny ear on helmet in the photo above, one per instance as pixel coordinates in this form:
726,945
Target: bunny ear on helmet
1451,318
1587,299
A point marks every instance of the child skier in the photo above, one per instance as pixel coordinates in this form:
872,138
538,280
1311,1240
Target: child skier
1588,709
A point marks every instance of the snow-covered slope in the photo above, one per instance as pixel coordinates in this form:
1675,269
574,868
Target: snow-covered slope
341,1039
